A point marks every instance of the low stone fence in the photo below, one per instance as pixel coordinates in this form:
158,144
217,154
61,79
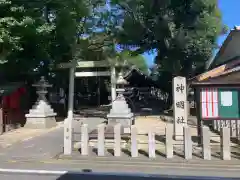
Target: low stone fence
168,144
233,125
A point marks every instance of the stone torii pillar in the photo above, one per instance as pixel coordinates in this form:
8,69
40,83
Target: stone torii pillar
113,84
68,144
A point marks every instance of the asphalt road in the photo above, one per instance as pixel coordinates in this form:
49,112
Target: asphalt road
62,175
75,176
58,169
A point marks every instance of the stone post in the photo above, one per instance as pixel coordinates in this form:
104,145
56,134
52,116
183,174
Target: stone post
222,124
214,124
228,124
101,140
180,106
117,140
188,109
218,125
151,144
206,148
84,139
187,143
68,145
169,141
238,129
225,143
134,145
1,120
233,125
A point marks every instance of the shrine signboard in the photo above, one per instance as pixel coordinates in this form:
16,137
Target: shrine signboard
219,104
180,103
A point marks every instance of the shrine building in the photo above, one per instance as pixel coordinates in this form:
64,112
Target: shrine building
217,91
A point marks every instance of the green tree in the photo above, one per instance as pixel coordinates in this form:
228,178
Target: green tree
135,60
24,33
20,22
183,32
36,35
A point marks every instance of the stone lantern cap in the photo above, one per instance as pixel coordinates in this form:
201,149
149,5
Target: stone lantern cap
42,83
121,80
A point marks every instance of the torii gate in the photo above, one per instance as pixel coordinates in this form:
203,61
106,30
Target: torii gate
72,74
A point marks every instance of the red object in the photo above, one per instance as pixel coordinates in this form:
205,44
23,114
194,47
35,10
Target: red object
6,101
14,100
22,90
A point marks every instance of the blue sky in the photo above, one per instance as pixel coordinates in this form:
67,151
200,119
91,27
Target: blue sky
229,8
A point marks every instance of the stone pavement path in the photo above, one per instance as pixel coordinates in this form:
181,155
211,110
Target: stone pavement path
44,146
23,134
155,123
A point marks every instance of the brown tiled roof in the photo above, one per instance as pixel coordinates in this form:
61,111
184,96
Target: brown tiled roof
233,65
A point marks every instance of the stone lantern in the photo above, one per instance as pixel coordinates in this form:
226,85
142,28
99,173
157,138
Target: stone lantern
121,83
120,112
41,115
41,87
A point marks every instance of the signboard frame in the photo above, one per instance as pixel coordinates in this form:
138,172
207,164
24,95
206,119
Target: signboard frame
219,89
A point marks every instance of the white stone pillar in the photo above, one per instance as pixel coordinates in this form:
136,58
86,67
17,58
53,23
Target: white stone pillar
187,143
206,147
218,125
188,108
68,121
117,140
113,83
151,144
238,129
214,124
233,128
225,143
101,140
134,143
169,141
180,106
84,140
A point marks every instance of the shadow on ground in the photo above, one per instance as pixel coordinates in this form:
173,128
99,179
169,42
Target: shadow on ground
87,174
140,108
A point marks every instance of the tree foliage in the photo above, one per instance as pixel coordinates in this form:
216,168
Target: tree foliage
19,23
137,61
35,35
183,32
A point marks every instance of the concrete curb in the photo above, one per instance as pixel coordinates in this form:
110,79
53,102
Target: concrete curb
176,162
